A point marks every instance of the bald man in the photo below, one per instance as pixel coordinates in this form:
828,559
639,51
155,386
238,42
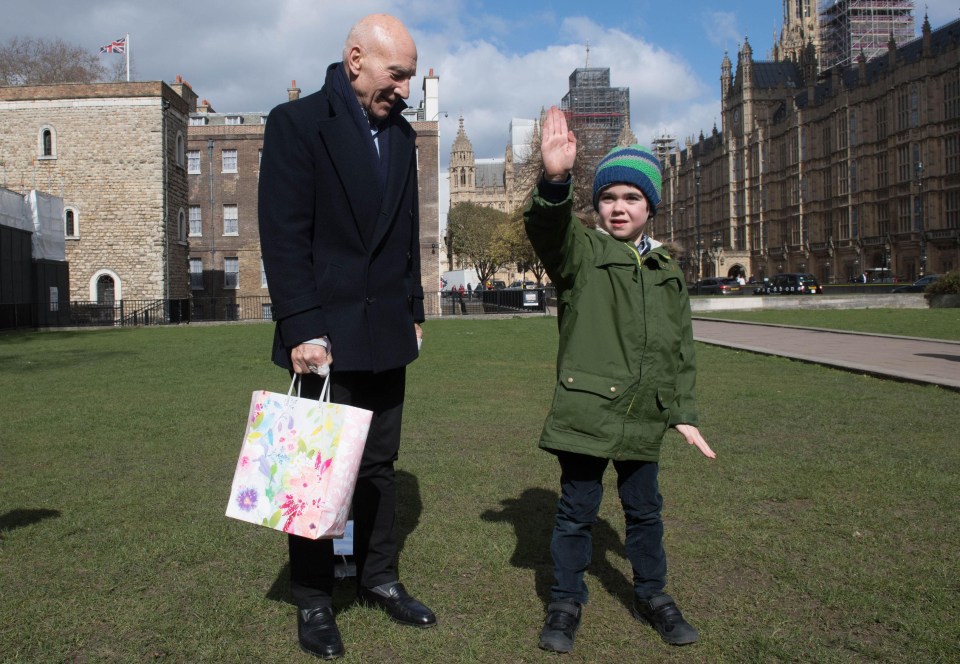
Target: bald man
339,232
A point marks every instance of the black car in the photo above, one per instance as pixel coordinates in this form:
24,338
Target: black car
791,283
716,286
917,286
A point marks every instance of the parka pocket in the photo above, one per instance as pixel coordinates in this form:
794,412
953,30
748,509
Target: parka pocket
589,404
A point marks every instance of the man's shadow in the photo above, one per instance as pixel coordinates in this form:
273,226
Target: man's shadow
532,515
20,518
409,508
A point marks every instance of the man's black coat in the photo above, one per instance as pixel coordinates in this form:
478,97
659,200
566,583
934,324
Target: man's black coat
342,256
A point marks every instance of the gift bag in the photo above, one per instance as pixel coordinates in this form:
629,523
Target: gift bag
298,464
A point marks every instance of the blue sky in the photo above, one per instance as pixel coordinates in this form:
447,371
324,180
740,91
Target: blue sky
496,59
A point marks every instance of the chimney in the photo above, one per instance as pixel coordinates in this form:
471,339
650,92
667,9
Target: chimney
293,92
184,89
205,107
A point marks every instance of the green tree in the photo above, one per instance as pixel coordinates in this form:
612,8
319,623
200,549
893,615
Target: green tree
25,61
479,236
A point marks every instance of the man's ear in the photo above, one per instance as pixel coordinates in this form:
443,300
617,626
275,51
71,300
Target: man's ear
354,61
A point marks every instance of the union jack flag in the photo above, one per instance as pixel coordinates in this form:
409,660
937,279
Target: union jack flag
116,46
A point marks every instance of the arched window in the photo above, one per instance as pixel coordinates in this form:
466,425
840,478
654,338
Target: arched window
181,150
47,143
71,225
181,226
105,289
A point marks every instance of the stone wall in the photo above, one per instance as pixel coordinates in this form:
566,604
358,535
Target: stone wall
114,162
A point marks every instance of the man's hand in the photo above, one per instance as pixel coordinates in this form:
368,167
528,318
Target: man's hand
693,436
558,146
306,355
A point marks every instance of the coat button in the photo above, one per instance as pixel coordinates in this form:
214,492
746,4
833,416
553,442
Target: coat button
613,389
570,379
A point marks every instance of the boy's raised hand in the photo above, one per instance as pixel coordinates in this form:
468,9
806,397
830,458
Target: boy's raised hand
558,146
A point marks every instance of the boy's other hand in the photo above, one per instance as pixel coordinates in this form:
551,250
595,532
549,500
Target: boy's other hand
558,146
694,437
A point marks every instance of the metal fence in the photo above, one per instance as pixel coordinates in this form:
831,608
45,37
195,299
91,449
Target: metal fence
120,313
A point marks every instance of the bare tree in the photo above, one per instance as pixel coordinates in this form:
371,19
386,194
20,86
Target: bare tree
25,61
479,236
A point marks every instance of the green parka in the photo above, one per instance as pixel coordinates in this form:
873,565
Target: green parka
625,365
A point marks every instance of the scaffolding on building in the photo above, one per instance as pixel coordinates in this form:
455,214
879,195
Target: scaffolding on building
662,146
596,112
851,27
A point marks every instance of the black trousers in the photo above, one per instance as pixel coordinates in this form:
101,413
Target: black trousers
374,499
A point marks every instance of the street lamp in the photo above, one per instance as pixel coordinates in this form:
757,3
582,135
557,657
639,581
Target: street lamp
923,239
717,251
696,176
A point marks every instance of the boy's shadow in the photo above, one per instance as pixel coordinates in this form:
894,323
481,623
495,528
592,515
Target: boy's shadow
532,516
409,507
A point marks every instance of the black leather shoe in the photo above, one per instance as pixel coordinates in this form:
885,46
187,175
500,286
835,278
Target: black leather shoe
560,627
400,606
661,613
318,633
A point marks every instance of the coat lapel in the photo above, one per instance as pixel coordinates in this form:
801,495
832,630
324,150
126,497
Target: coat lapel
355,170
402,144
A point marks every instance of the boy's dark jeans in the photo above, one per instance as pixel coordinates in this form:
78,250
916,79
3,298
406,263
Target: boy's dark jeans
581,486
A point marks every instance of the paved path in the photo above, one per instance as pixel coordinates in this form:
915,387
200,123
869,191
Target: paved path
902,358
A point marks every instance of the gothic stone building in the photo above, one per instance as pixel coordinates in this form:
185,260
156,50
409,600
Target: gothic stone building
116,154
833,174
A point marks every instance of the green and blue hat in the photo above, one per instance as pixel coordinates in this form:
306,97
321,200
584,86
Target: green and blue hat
634,165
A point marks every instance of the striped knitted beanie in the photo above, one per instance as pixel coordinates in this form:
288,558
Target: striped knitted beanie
631,164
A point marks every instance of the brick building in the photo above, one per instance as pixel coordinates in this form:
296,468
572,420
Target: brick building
116,154
833,173
223,170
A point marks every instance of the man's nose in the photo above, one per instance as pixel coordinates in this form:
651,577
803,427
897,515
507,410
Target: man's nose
403,89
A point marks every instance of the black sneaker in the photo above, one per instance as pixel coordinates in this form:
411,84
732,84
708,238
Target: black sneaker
661,613
560,627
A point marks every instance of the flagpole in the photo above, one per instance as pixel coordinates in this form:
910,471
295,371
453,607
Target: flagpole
127,51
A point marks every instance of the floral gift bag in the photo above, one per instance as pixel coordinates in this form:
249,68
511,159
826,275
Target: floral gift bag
298,464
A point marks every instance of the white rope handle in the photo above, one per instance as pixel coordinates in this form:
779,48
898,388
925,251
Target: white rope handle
324,391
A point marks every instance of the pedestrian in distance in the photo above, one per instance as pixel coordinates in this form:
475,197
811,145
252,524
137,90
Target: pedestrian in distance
625,373
339,229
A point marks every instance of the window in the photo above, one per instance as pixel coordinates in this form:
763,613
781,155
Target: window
181,150
196,274
853,127
904,213
843,179
827,141
882,170
914,106
233,120
71,227
231,272
47,143
229,158
951,150
952,208
198,121
842,136
903,110
883,219
259,157
263,275
196,223
230,225
881,121
263,119
181,226
951,96
853,176
266,311
193,162
903,163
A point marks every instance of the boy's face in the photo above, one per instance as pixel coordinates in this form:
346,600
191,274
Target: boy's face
623,211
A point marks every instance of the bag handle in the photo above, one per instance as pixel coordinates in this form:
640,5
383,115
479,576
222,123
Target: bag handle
324,391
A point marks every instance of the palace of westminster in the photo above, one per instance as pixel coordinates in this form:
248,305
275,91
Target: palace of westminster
829,170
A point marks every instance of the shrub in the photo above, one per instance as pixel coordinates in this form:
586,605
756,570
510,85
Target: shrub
948,284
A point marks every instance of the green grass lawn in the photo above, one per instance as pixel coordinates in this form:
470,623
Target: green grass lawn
825,531
930,323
